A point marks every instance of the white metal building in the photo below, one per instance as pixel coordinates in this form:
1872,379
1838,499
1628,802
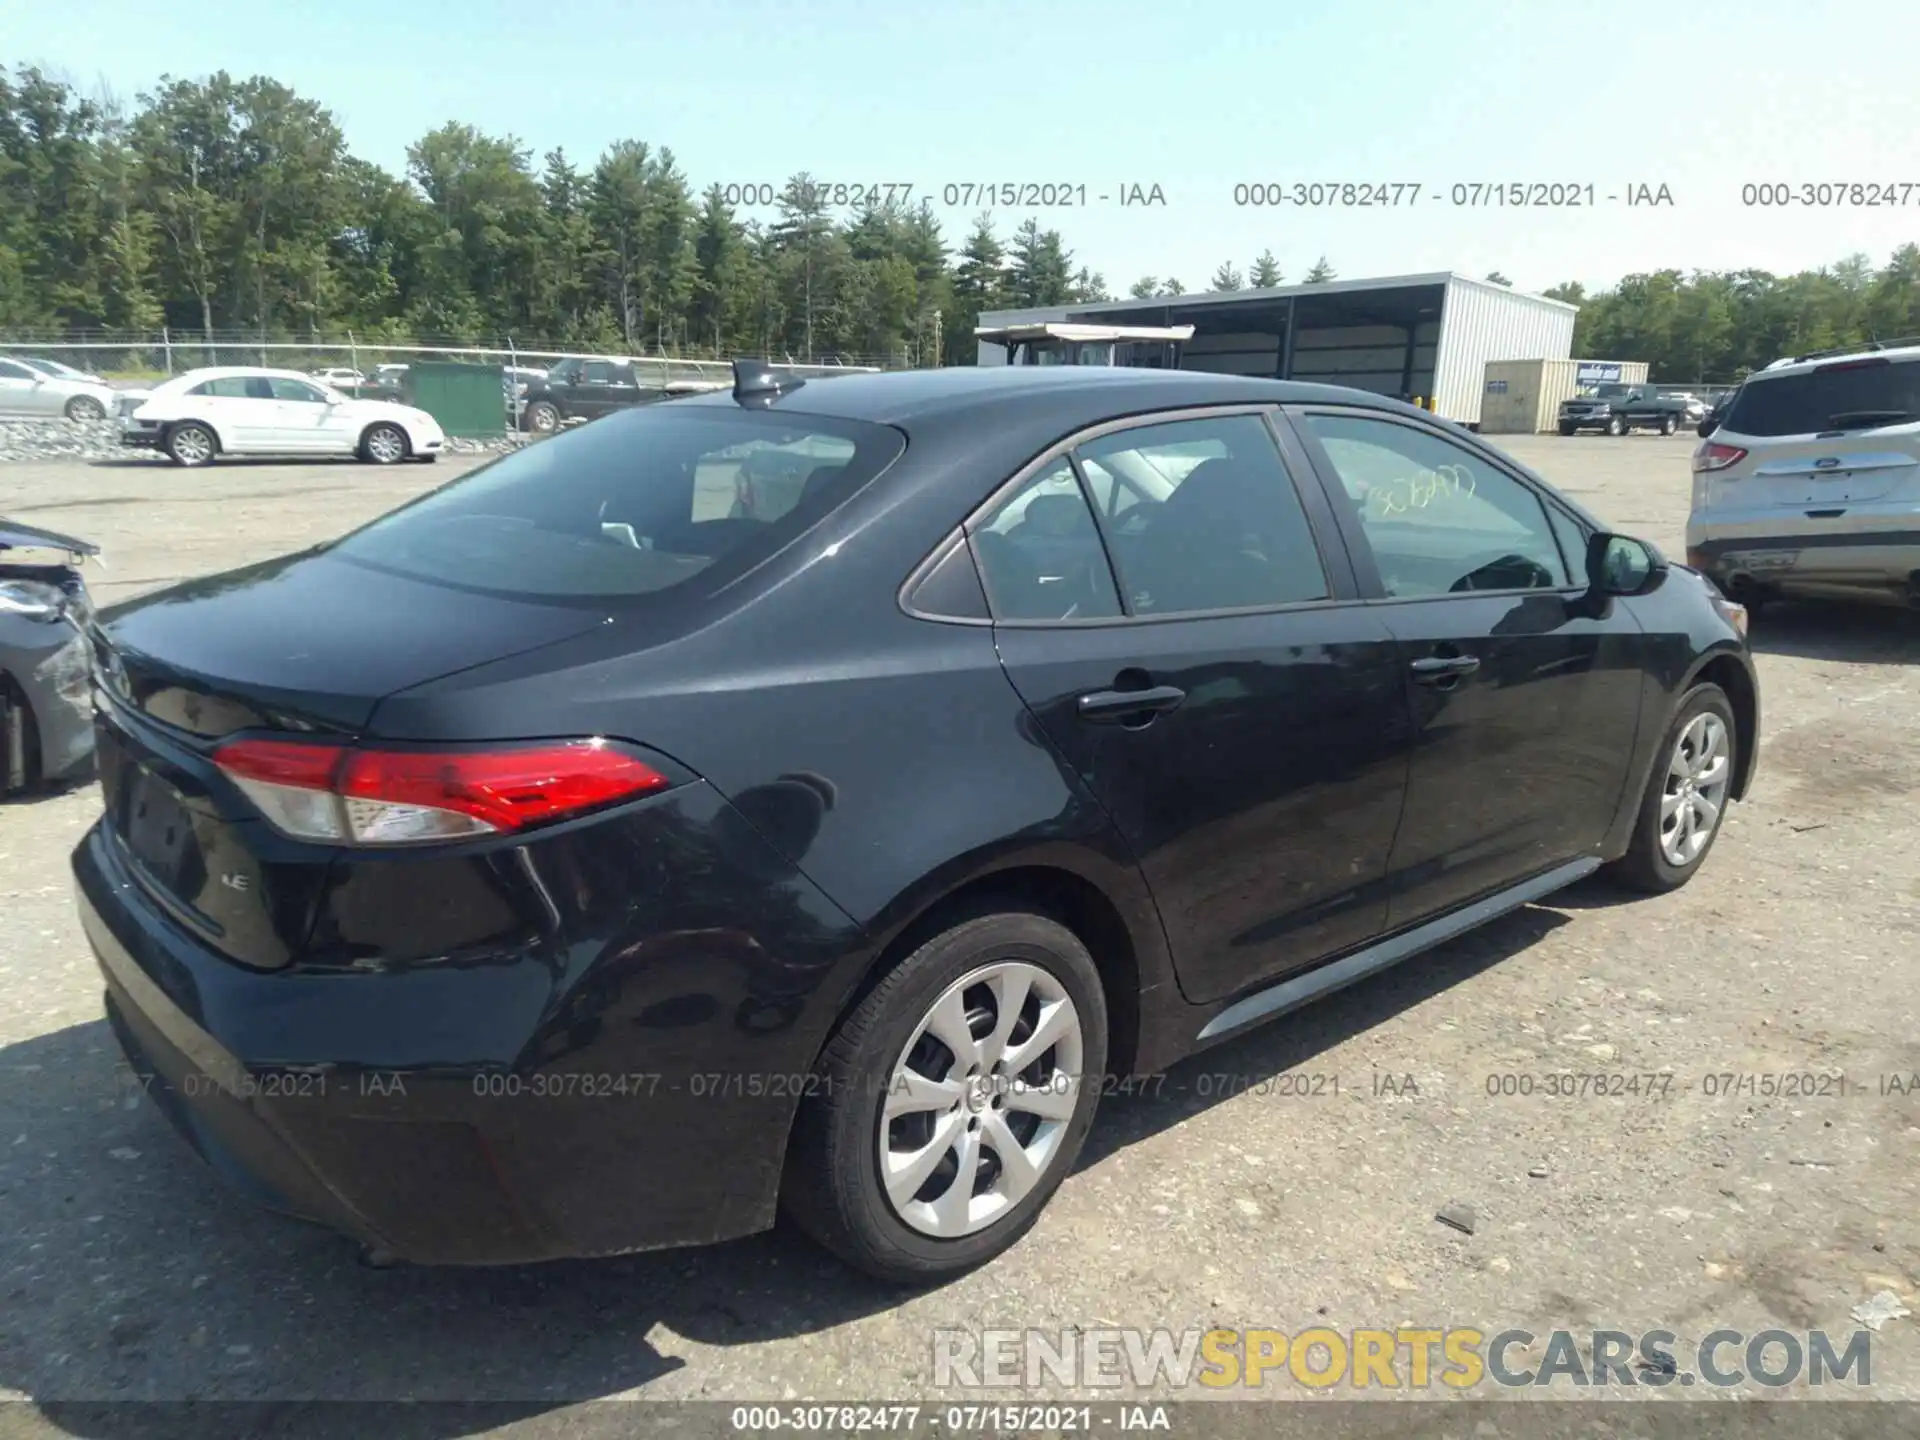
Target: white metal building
1422,337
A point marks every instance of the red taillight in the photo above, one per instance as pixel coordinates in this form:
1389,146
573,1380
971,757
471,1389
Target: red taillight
1715,456
352,796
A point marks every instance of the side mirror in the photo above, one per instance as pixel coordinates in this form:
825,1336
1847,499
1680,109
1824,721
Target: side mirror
1621,565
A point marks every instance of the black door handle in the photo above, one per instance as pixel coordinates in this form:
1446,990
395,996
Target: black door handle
1103,706
1443,669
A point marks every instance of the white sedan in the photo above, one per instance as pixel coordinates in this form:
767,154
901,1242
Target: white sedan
238,410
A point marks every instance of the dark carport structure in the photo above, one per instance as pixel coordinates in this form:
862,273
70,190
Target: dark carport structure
1425,337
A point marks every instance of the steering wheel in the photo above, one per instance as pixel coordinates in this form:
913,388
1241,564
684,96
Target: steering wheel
1505,572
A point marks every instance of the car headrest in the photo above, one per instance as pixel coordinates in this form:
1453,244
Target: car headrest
1218,489
1058,516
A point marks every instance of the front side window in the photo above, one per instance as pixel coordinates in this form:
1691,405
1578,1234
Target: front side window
11,371
296,390
1573,541
1040,555
1439,519
1202,515
647,502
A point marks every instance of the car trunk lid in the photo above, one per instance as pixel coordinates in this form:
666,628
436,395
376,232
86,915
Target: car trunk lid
1826,437
304,646
1828,471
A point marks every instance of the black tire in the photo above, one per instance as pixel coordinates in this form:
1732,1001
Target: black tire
1668,425
832,1187
1645,866
384,443
1568,429
542,417
86,409
192,444
1617,425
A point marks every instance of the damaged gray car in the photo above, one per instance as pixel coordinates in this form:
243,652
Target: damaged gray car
46,713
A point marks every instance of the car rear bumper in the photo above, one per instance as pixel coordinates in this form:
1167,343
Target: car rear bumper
497,1111
1867,564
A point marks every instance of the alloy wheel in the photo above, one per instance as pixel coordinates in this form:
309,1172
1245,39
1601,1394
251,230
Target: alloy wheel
191,445
979,1100
385,445
1695,793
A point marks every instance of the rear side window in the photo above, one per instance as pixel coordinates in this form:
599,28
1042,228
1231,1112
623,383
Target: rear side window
1040,554
1850,395
666,498
1202,515
236,387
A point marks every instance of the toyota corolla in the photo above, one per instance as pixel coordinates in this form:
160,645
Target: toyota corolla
576,860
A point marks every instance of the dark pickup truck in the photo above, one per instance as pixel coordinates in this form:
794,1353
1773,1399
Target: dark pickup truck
1617,409
585,388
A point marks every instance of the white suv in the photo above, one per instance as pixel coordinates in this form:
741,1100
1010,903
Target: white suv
1809,485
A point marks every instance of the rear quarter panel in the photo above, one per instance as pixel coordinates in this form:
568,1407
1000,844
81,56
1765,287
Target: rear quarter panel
887,757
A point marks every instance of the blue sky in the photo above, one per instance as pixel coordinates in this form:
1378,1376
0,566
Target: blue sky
1193,97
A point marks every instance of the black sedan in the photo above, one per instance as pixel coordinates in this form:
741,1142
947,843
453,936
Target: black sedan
607,849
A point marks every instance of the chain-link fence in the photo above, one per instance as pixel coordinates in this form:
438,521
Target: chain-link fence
149,357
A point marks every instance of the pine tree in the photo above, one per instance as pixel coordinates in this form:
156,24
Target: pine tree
979,284
1039,270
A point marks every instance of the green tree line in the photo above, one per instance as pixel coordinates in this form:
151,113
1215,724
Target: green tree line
1719,325
232,206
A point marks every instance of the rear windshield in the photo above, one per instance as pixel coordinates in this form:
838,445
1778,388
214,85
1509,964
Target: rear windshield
640,503
1850,396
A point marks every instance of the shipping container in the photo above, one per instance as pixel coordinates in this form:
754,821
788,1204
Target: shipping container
1522,397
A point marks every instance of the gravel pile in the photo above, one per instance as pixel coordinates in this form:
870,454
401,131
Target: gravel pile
75,440
58,440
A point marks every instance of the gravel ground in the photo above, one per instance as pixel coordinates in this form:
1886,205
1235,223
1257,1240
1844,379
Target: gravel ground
43,440
1211,1199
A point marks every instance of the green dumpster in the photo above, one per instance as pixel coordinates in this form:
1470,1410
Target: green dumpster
468,400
